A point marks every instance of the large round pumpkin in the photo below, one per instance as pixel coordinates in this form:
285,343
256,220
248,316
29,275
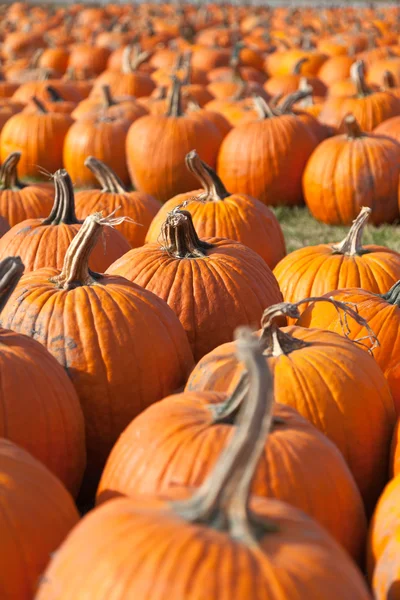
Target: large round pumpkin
213,285
217,213
330,381
44,242
156,147
352,170
316,270
37,514
266,158
123,347
138,207
216,540
39,408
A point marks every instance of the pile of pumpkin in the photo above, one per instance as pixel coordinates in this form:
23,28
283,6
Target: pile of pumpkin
186,411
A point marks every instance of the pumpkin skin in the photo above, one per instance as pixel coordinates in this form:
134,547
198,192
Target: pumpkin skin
317,270
156,146
19,201
389,128
142,531
112,389
44,242
217,213
353,170
40,139
37,515
102,138
382,314
255,159
138,206
180,442
184,276
385,582
351,403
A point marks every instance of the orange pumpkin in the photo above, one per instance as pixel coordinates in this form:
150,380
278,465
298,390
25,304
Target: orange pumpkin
331,382
217,213
93,324
352,170
181,269
140,208
110,106
317,270
19,201
156,147
44,242
211,530
385,582
257,158
37,514
45,418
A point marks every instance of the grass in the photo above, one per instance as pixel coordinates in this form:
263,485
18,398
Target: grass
301,229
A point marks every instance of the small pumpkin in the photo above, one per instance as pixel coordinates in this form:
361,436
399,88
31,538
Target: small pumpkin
330,381
36,504
93,324
317,270
352,170
110,106
44,242
217,213
181,270
140,208
211,530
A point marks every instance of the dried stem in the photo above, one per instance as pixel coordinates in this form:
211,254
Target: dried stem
214,189
179,236
108,179
352,243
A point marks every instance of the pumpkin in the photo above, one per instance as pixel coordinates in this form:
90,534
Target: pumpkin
182,436
39,407
377,70
156,147
210,530
37,514
220,122
385,582
39,137
212,285
258,158
138,206
288,83
352,170
44,242
93,324
19,201
109,105
217,213
102,137
369,107
389,128
336,68
235,111
317,270
88,59
54,103
350,403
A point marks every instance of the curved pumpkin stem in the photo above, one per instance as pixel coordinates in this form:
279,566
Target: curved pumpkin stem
9,173
287,105
352,243
299,64
352,130
63,210
39,105
174,108
389,82
357,74
107,96
263,108
55,96
222,501
214,189
108,179
393,295
180,237
11,270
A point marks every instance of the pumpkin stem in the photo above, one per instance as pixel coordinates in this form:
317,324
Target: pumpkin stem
187,63
222,501
11,270
126,60
9,174
298,65
180,237
55,96
108,179
352,243
393,295
308,100
214,189
39,105
357,74
175,99
352,128
63,210
263,108
389,82
107,96
287,105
